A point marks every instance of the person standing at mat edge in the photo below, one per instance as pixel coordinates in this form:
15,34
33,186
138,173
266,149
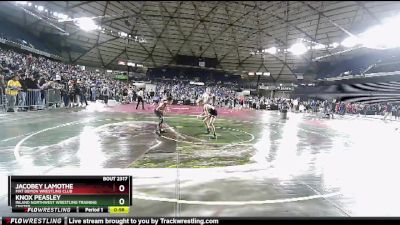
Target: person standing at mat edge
140,95
106,94
159,111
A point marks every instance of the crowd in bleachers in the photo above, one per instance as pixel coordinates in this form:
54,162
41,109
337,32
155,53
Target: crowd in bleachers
77,87
331,108
38,74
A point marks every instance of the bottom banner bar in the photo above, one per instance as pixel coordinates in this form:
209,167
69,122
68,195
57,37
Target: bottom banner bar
183,221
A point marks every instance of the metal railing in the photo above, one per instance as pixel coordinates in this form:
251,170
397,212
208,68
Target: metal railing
53,98
33,99
3,101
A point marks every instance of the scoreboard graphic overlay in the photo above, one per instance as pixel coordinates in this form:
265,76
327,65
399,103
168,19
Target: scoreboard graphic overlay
69,194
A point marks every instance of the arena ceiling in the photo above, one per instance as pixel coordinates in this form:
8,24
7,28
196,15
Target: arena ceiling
227,31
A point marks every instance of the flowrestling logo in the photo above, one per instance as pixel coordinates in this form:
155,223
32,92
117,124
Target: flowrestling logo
47,210
108,221
38,220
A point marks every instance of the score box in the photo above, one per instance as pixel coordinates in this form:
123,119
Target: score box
69,191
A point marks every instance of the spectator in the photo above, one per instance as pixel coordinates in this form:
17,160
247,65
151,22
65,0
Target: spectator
105,93
13,87
387,111
2,85
22,93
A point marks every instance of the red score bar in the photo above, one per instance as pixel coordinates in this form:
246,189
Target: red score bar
84,189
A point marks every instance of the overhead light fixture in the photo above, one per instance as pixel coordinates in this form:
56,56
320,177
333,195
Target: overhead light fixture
131,64
139,65
267,73
351,41
319,46
123,34
259,73
40,8
86,24
298,49
334,45
272,50
21,2
121,63
62,16
251,73
109,71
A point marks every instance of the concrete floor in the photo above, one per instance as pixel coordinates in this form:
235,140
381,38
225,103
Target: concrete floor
303,166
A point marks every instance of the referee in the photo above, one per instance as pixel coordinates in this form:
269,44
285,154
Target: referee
140,95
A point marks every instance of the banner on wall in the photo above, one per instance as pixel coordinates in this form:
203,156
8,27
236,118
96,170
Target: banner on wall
121,77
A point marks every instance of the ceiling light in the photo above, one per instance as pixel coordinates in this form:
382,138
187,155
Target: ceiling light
271,50
334,45
123,34
351,42
259,73
319,46
298,49
40,8
139,65
121,63
109,71
29,4
251,73
86,24
62,16
267,73
21,2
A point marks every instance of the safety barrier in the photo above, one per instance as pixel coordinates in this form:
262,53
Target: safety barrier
32,99
3,101
53,98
